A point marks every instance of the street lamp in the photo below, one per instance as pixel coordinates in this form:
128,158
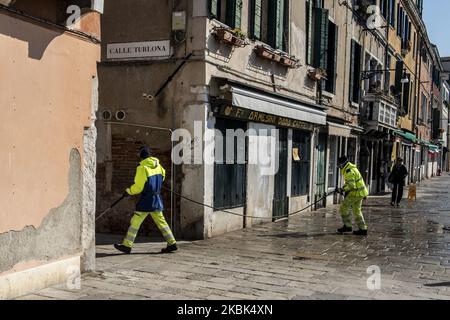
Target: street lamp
405,78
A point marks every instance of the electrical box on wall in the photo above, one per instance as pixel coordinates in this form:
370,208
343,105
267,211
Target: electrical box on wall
179,21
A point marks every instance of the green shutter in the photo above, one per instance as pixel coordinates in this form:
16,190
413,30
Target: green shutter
234,13
321,38
238,14
280,25
275,33
257,19
352,72
309,17
230,13
332,57
214,8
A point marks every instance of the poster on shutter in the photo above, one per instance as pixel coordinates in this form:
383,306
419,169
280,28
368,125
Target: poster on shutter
296,154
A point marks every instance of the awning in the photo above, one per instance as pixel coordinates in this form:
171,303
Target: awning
433,147
408,136
272,105
339,130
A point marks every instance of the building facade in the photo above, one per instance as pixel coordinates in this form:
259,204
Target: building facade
49,95
328,76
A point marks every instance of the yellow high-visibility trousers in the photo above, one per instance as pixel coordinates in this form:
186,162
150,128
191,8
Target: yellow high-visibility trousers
354,203
136,222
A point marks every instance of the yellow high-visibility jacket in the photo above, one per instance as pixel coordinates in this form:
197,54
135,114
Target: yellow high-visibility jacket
148,183
354,182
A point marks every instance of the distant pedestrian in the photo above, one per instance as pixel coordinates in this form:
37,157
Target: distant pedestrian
397,178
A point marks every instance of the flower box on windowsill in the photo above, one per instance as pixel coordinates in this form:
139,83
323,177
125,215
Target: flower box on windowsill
289,61
276,56
227,36
265,52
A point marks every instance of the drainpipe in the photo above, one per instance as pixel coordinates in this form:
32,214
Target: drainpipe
172,168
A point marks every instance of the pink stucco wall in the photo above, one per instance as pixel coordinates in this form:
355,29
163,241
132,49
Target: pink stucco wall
45,98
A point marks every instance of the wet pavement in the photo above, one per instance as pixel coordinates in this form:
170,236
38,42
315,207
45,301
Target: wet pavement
300,259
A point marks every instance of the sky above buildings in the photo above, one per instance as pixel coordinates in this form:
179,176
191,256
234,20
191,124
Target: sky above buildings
437,15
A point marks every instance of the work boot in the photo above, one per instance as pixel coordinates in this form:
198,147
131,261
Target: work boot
360,233
169,249
122,248
345,229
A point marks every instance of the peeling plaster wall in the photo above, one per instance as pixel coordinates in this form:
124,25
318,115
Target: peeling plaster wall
57,236
47,101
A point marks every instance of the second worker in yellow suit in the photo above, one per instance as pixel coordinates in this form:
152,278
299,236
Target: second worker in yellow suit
148,183
355,192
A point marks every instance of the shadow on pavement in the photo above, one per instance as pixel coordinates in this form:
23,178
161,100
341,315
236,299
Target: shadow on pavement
105,255
442,284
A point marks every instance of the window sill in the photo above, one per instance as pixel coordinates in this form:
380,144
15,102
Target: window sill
220,23
239,207
354,105
329,94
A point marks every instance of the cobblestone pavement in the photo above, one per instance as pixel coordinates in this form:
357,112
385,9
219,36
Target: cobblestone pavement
300,259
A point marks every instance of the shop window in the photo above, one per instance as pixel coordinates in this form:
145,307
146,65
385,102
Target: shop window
229,173
301,144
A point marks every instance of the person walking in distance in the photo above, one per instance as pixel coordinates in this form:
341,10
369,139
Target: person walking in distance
397,178
148,183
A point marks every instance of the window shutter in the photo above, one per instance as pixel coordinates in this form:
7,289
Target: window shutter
276,23
321,38
280,24
357,75
237,14
214,8
352,70
309,17
234,13
256,19
330,84
355,72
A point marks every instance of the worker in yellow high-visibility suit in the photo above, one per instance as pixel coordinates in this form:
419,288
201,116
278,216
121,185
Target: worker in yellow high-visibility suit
355,192
148,183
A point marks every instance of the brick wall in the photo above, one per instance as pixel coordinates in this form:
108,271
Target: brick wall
124,152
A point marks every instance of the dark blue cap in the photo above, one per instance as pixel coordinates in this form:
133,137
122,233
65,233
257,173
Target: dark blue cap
144,152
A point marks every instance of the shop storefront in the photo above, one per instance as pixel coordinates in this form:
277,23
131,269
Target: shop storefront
290,181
